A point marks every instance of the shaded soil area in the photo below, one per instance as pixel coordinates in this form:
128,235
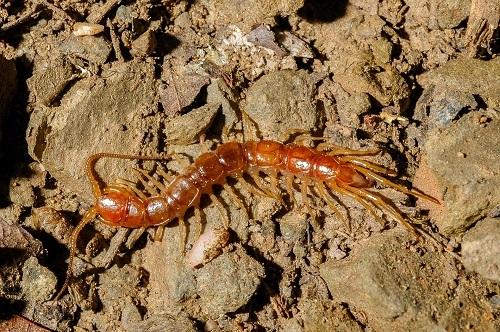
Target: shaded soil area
416,80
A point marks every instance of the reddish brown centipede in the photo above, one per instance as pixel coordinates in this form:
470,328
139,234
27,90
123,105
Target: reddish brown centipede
340,170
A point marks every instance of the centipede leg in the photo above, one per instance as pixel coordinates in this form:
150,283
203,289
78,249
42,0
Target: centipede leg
391,184
327,197
159,233
248,187
158,186
273,178
184,234
262,186
221,208
199,222
234,197
368,165
89,216
379,201
93,159
358,199
289,189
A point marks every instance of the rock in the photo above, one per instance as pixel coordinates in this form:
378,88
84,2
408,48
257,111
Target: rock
469,76
480,249
49,80
246,14
464,160
280,102
38,282
16,237
182,89
380,81
91,48
293,226
187,128
318,315
21,192
442,106
446,14
219,93
96,115
131,322
351,107
399,289
117,283
227,283
144,45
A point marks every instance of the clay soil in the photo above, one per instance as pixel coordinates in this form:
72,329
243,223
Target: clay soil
417,80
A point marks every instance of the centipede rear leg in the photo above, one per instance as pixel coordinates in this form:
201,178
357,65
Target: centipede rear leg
380,202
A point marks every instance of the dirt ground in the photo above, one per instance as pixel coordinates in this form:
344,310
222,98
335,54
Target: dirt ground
416,79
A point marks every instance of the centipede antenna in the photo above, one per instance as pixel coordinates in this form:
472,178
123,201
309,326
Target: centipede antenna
89,216
396,186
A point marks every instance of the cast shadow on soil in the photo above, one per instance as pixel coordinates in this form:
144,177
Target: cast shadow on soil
269,286
322,11
14,156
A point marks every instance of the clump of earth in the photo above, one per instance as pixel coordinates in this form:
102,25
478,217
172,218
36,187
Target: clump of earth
416,80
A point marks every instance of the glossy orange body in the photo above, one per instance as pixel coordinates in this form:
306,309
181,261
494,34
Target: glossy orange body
124,208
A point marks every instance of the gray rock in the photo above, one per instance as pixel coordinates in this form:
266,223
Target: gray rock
481,249
280,102
227,283
49,80
21,192
187,128
318,315
446,14
246,14
464,159
438,107
400,289
469,76
293,226
219,93
38,282
131,322
91,48
96,115
144,45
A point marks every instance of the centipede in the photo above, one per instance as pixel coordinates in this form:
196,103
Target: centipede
330,169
